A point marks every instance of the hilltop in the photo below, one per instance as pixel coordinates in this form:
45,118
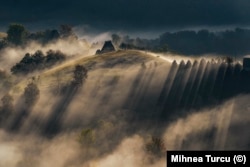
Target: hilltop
115,61
126,96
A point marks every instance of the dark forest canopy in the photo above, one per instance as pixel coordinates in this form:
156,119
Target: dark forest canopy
38,61
18,35
232,42
229,42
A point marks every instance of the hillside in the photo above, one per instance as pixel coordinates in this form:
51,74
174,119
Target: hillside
147,86
131,102
115,62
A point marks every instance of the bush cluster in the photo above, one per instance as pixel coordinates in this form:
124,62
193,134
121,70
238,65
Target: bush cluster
37,61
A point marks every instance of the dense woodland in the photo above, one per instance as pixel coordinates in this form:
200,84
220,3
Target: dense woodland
18,35
229,42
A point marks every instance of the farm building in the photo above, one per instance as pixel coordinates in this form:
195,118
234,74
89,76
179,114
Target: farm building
107,47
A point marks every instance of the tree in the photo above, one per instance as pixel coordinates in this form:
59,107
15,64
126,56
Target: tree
163,48
116,39
156,146
7,100
54,57
38,57
7,106
66,31
143,65
16,34
3,74
228,59
87,137
31,93
3,43
44,36
50,35
58,77
80,74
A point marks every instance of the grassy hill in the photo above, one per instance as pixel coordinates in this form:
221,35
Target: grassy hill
117,61
132,104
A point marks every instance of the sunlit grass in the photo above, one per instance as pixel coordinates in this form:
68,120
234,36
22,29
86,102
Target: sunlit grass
62,74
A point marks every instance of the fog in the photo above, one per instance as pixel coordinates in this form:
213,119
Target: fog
11,55
192,103
190,132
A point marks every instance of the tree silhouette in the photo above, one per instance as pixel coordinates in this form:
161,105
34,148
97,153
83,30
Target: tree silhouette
16,34
80,74
44,36
7,107
229,59
116,39
156,146
86,137
3,43
66,31
31,94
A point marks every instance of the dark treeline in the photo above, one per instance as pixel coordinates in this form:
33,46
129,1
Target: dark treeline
37,61
18,35
230,42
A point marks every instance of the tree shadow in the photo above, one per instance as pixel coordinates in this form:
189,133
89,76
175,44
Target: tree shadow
53,125
188,88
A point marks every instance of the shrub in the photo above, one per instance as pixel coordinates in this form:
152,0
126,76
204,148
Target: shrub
80,74
31,93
